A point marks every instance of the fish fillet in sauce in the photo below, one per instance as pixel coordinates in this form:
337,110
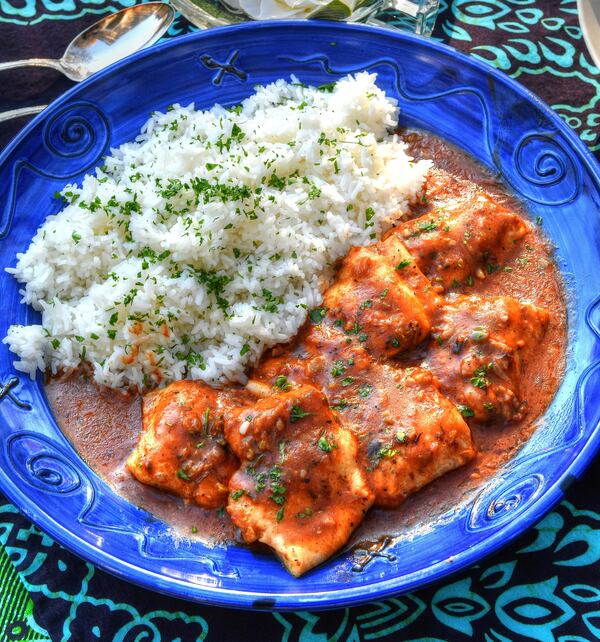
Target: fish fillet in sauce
300,489
181,448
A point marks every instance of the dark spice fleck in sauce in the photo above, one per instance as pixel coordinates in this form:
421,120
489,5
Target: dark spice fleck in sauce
104,425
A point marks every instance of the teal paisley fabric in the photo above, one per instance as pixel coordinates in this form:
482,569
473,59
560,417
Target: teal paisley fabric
539,44
544,587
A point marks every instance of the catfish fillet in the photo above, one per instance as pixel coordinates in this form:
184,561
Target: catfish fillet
409,433
299,490
462,242
477,354
181,447
372,300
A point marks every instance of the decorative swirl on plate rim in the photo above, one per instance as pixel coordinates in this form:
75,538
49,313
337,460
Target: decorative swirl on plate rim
507,500
548,166
73,128
73,131
41,463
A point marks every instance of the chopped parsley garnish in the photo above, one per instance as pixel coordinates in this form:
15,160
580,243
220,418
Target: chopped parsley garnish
365,390
340,405
403,264
424,227
183,475
297,413
355,328
465,411
237,494
325,445
207,191
282,383
479,378
76,237
237,133
347,381
387,451
214,282
313,192
276,182
339,367
245,349
272,303
327,87
317,315
195,359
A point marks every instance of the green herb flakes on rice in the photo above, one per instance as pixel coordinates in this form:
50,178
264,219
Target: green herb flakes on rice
209,237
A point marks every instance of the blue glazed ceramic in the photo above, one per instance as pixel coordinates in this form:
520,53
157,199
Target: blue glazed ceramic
481,110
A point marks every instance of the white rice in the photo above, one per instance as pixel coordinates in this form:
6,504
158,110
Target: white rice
208,238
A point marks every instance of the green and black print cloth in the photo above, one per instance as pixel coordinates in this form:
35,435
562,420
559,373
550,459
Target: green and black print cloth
544,587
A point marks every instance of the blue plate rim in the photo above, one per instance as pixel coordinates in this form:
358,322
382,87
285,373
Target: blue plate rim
252,600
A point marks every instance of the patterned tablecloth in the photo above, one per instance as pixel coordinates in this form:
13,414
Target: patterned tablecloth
544,587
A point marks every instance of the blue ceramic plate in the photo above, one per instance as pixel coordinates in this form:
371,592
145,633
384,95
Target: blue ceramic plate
468,103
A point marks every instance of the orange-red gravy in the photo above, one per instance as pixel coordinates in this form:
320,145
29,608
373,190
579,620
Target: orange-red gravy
104,425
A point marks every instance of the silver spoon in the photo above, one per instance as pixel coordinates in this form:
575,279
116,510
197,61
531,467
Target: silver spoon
113,37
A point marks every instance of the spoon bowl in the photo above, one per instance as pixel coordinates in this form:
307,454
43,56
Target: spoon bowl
114,37
111,38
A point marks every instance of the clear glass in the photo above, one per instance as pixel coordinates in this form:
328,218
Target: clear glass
417,16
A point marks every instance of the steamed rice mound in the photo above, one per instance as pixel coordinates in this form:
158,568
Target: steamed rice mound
209,237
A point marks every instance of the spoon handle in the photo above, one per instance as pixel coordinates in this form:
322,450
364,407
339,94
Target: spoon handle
24,111
31,62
